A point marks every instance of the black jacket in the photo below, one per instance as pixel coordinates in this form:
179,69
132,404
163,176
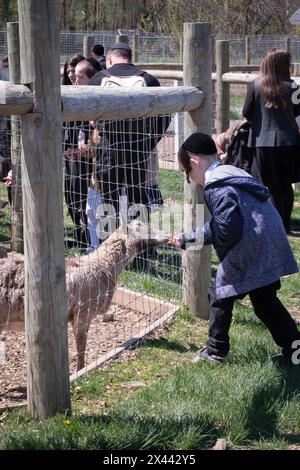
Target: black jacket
124,70
133,135
270,127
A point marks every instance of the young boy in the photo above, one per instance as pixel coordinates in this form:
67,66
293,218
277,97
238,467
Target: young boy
249,238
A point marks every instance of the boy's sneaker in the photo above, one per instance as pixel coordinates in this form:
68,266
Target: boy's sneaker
202,355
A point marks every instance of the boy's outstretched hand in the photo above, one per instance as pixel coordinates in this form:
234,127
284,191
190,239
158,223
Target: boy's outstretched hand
175,241
8,179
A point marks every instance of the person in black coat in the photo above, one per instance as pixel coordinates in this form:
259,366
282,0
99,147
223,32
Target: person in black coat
97,53
131,141
77,167
274,131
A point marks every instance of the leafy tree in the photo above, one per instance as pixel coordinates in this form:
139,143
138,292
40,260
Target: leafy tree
228,17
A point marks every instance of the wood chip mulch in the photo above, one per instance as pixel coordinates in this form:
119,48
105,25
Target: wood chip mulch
102,337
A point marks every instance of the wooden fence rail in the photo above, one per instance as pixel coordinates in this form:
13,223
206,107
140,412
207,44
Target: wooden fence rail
91,102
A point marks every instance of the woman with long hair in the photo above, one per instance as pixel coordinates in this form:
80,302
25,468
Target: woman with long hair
271,105
69,69
77,168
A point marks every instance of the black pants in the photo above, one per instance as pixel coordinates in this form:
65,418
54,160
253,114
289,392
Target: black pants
282,197
267,308
274,167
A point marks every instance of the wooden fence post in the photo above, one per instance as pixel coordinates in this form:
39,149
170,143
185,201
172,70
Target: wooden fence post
197,72
13,46
88,42
297,69
48,388
288,44
122,38
222,89
135,48
213,53
180,49
178,129
248,50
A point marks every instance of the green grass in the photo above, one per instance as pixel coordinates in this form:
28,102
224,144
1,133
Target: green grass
171,184
179,405
247,401
237,99
236,106
234,116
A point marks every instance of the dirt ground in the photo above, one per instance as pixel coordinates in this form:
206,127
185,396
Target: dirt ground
102,338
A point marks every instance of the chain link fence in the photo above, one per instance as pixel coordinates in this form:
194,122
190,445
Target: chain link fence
152,48
166,48
258,47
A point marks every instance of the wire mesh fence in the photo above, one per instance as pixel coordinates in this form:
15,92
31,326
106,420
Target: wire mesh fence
117,290
166,48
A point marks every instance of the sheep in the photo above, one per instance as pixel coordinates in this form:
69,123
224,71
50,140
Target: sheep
91,281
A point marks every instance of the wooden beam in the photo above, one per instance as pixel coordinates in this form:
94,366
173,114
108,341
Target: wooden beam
15,99
238,78
94,102
87,103
245,78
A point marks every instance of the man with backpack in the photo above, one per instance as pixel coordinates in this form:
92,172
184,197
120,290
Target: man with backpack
119,64
130,145
131,141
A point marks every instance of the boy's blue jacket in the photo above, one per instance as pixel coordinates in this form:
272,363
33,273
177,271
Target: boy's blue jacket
246,231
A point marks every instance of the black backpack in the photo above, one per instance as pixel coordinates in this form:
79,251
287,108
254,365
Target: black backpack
238,153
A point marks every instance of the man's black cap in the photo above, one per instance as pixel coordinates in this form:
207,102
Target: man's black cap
200,143
120,45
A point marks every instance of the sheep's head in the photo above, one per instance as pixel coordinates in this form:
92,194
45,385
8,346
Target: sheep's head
139,236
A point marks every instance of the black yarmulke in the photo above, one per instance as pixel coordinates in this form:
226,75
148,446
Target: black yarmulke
200,143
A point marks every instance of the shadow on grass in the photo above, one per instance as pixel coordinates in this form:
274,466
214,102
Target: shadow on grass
263,412
116,431
164,343
4,238
162,264
295,224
